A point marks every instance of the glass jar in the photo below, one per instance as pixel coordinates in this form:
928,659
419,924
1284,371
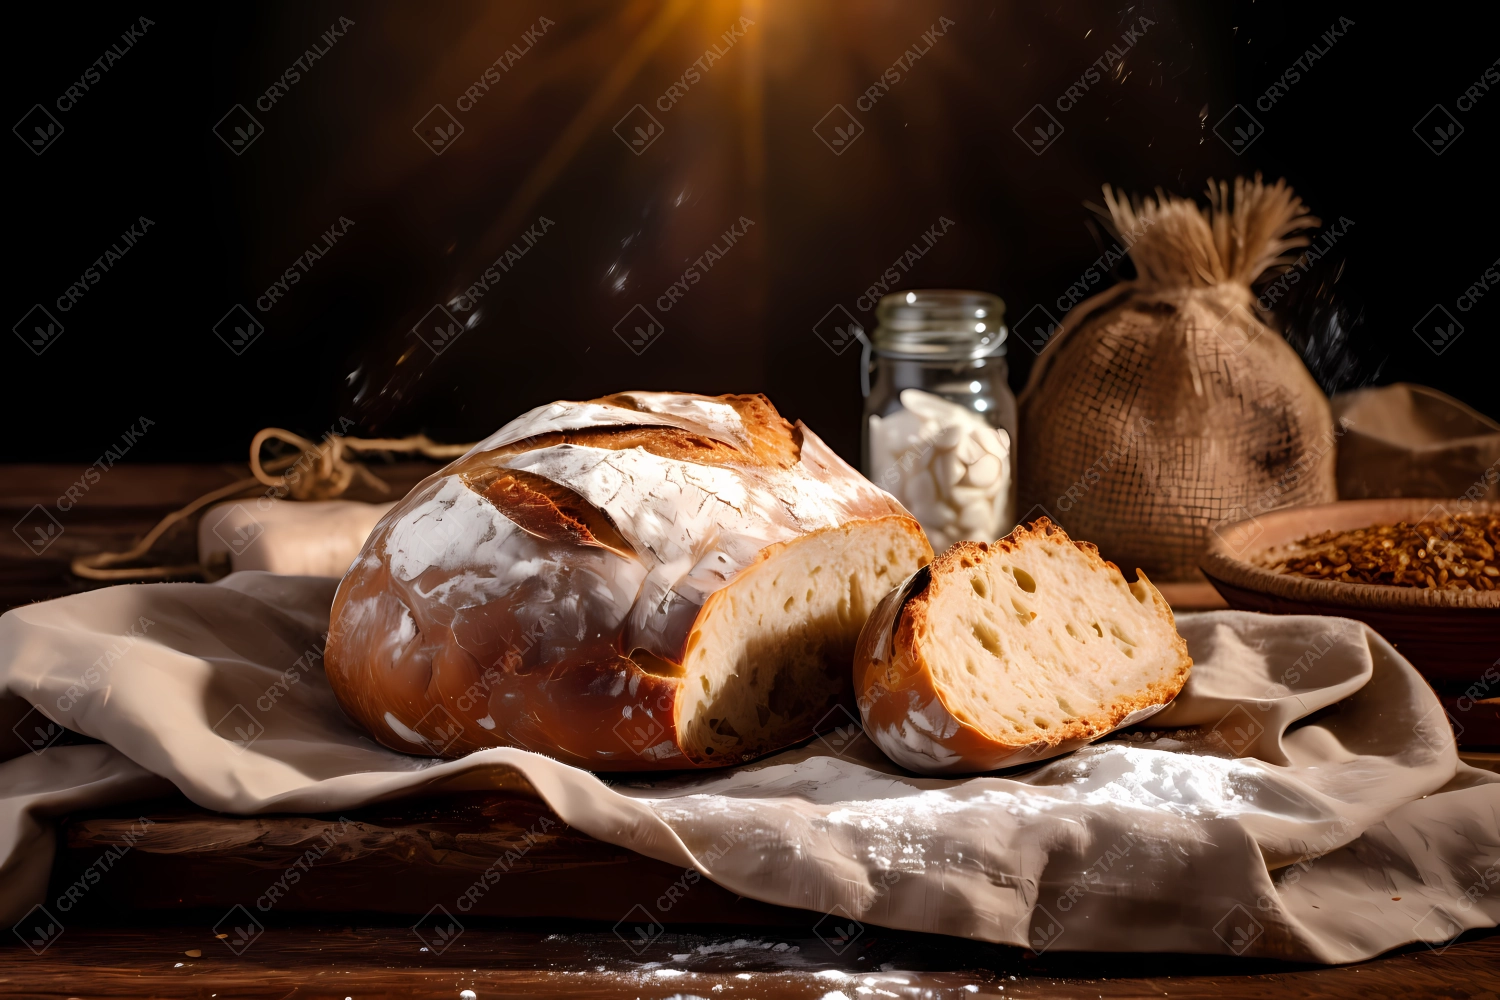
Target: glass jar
939,419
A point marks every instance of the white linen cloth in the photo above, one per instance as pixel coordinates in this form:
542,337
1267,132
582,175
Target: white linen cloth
1302,798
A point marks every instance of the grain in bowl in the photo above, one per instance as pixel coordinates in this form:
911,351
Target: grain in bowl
1447,552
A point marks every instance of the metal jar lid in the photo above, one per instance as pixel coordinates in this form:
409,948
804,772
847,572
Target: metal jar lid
940,325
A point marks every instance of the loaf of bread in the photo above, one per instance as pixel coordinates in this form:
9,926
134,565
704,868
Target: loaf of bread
648,580
1014,651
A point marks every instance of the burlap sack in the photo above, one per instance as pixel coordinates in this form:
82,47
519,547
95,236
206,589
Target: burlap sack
1164,406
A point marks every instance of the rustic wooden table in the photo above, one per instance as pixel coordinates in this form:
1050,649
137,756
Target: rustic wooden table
333,959
164,922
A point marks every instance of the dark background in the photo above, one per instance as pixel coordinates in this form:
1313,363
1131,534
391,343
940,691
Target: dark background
338,349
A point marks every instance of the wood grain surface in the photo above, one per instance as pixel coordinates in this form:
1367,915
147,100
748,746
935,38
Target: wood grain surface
335,960
492,854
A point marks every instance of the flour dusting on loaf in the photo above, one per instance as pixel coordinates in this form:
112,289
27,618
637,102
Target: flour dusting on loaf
647,580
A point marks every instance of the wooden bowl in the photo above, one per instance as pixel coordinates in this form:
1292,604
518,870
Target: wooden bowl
1451,636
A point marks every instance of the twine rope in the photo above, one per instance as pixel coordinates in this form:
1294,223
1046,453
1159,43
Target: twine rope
315,472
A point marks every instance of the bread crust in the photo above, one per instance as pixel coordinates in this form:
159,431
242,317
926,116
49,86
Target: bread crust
533,594
903,704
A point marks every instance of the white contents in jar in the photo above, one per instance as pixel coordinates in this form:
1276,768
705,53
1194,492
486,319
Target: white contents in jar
946,465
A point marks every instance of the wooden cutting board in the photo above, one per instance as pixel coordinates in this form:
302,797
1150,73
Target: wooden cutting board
492,854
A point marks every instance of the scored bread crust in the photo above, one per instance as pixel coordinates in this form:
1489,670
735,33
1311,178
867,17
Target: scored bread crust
912,716
642,581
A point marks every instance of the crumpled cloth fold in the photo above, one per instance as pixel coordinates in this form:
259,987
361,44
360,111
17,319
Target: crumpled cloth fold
1301,799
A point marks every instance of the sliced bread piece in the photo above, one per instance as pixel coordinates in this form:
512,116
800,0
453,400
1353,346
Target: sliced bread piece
1014,651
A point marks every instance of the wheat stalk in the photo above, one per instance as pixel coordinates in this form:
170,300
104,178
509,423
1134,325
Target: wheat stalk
1177,243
